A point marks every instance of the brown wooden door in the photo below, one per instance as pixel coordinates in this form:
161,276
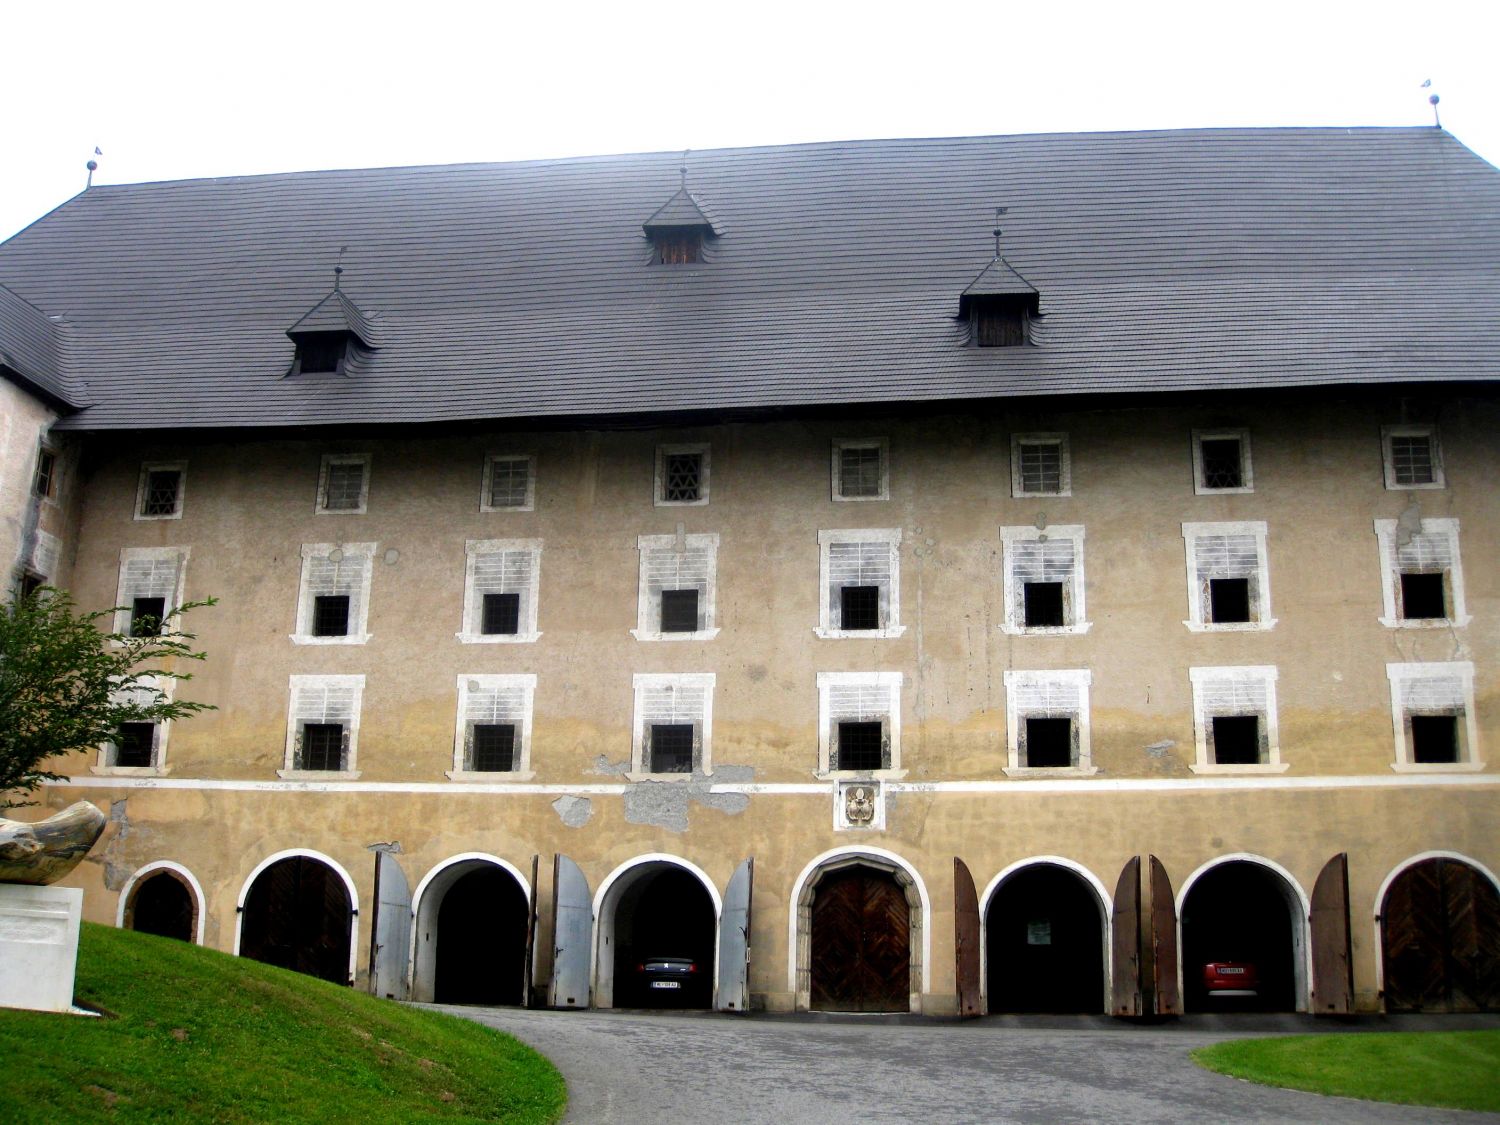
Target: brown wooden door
1167,1001
861,948
1333,975
1440,934
1125,942
297,916
966,939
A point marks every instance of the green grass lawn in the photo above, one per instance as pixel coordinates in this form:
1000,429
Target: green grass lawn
198,1036
1457,1069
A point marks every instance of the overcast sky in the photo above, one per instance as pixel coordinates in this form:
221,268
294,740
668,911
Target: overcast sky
172,90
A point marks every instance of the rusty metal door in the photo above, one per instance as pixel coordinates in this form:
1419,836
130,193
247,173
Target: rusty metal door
528,969
1440,935
1333,971
861,951
966,940
1166,998
734,941
572,935
298,916
1125,942
390,928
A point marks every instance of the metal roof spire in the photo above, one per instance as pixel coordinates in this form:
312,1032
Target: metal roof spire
338,268
998,232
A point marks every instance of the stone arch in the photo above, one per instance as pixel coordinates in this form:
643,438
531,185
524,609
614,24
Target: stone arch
427,904
337,929
166,869
615,890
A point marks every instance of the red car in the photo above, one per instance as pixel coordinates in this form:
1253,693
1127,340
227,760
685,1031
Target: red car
1231,978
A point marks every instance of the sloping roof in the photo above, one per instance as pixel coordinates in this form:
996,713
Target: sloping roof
682,210
998,279
31,348
336,313
1167,261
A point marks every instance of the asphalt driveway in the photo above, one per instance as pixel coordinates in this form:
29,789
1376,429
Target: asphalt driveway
636,1069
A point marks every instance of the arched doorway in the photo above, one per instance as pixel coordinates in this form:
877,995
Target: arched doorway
472,922
658,937
298,914
1440,938
162,904
1044,942
1243,927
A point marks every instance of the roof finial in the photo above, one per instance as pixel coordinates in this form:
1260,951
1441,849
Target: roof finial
998,232
338,269
683,169
1432,100
92,166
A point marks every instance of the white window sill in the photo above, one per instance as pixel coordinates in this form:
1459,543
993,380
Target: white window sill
700,635
500,776
1046,630
1232,626
1065,495
497,638
682,503
1426,622
859,499
508,508
1051,771
671,778
339,511
1415,487
347,639
1258,767
1223,491
855,634
173,516
860,775
130,771
318,775
1437,767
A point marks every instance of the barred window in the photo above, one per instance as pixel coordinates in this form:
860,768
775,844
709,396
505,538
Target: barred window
682,474
333,601
860,583
494,727
150,589
1432,712
677,595
1421,574
860,470
159,495
501,580
1229,582
1412,457
323,724
1221,461
1047,721
343,484
673,724
859,722
1043,579
1040,465
1234,718
508,483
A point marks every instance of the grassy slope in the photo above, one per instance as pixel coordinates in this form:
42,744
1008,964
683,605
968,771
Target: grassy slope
199,1036
1458,1069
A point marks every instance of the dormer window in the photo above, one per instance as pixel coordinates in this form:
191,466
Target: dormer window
321,352
678,247
999,322
678,229
330,336
999,304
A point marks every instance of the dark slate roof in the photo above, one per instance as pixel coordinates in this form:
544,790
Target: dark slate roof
336,313
1184,261
998,279
682,210
31,349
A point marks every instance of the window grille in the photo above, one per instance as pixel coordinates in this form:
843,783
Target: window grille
331,615
682,481
163,487
679,611
492,748
1041,466
344,579
859,471
1412,461
322,747
1425,551
501,615
345,487
671,748
861,746
859,607
493,713
510,482
505,573
323,712
1222,463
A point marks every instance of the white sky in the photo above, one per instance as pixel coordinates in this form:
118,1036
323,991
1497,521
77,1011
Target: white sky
174,90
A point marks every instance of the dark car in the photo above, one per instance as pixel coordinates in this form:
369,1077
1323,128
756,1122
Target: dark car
664,977
1231,979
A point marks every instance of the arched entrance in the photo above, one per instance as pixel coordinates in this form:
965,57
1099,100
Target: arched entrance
658,936
473,916
1440,938
1045,942
1244,939
298,913
162,904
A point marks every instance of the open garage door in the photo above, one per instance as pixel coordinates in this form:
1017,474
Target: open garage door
1045,942
734,941
1125,943
390,930
966,947
572,935
1333,970
1242,941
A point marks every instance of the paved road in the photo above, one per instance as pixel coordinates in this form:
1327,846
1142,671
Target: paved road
632,1069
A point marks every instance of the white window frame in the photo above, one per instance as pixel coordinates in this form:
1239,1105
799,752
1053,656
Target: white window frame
1073,601
105,767
1247,475
288,769
1462,671
1078,678
647,608
360,615
523,771
321,507
53,495
1388,460
836,470
826,615
890,683
177,555
149,467
1386,532
660,486
1260,601
527,632
1264,674
644,682
489,477
1065,473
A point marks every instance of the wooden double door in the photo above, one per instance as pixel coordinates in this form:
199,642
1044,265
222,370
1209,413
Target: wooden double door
1440,933
298,916
861,942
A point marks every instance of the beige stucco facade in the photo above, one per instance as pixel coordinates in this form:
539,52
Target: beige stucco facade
24,424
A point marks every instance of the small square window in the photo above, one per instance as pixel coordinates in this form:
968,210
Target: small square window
671,749
502,615
1228,577
1235,727
323,726
1040,465
1043,579
861,747
677,590
1236,740
322,747
509,483
331,615
1044,604
1412,457
321,352
672,730
859,573
677,247
1228,600
493,748
1048,743
1421,574
859,723
1434,739
146,616
135,745
1432,713
1221,461
343,484
682,474
333,599
159,493
493,729
679,611
859,607
860,470
1423,596
46,473
501,580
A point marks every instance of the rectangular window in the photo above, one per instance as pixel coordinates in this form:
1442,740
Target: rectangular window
334,596
321,352
999,324
676,599
1043,579
1229,578
160,491
322,747
150,589
1432,713
1422,581
1228,601
681,474
851,564
344,483
509,484
677,248
1412,457
1221,461
1047,725
859,724
673,734
494,747
139,747
135,746
501,580
45,478
1434,739
860,470
1234,720
493,733
1040,465
323,726
147,616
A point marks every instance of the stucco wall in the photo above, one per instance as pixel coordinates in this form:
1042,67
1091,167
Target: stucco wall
24,420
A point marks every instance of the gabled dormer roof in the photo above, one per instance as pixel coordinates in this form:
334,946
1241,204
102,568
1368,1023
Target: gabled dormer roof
337,313
999,279
683,210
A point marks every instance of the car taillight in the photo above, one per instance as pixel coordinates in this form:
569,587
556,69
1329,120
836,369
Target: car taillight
693,968
641,968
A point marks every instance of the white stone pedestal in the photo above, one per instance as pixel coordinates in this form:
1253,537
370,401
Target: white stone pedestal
38,946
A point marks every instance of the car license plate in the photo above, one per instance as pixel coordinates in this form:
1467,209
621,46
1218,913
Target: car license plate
666,984
1231,972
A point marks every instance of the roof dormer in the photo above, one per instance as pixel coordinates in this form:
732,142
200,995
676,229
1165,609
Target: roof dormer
999,304
679,227
329,332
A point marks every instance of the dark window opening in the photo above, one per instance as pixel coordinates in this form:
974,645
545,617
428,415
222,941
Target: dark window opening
1228,600
160,497
135,744
331,615
1423,596
501,615
999,325
861,746
509,482
859,471
1044,604
46,473
1236,740
146,616
321,352
493,748
679,611
671,748
1434,739
31,583
859,607
322,746
345,487
682,477
1222,464
1412,460
1041,467
1049,743
678,248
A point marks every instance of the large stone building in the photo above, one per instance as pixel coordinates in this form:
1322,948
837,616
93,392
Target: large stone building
751,557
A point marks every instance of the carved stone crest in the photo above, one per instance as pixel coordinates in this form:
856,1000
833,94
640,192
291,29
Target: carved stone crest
859,804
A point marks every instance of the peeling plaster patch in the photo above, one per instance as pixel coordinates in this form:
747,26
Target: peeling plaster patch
756,673
574,811
603,765
115,872
664,804
1159,749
